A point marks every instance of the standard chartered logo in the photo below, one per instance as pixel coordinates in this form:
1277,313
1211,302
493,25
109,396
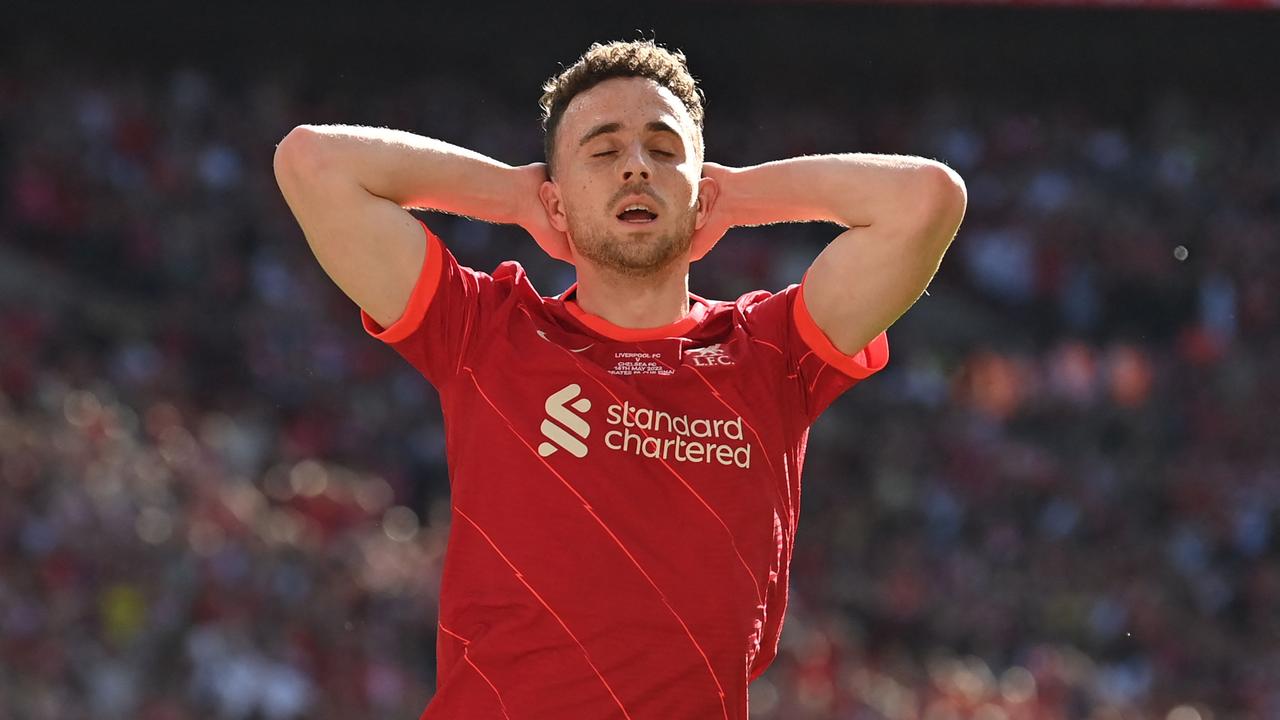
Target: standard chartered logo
641,431
698,440
556,409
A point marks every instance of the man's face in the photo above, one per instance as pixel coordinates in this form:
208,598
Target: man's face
626,142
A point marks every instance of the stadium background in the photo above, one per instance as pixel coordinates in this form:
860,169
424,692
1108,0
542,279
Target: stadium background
220,499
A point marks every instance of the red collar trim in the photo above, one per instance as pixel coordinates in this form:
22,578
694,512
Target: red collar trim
697,311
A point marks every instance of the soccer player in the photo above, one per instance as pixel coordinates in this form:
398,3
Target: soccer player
624,456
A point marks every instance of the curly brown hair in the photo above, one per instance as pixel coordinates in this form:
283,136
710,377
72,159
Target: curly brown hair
636,58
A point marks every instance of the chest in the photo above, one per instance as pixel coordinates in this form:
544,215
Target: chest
674,416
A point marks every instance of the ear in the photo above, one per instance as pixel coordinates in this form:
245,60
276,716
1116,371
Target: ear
708,194
549,194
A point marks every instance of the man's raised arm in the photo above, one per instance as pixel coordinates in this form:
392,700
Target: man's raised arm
349,188
902,213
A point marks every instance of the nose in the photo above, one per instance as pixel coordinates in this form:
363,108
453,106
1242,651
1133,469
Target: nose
634,163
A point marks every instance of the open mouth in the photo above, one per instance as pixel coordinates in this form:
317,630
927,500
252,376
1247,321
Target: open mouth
637,216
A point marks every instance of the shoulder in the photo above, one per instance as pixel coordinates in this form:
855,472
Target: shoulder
764,306
750,300
509,279
761,315
494,293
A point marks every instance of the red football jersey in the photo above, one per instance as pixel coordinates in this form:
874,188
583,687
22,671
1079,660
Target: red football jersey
624,501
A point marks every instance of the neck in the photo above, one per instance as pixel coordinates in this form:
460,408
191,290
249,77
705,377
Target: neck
632,302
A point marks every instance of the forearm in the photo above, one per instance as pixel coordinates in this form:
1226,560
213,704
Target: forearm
414,171
853,189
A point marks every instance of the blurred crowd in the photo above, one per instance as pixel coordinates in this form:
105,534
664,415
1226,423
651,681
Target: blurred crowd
220,499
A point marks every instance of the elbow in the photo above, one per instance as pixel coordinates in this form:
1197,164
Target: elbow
946,199
299,154
946,189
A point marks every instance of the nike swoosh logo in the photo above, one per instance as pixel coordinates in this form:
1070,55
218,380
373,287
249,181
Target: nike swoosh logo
544,337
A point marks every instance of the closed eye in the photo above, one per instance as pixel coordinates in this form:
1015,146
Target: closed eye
664,153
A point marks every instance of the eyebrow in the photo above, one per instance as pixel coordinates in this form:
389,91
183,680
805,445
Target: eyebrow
612,127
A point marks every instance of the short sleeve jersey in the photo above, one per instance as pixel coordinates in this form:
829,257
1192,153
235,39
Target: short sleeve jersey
623,501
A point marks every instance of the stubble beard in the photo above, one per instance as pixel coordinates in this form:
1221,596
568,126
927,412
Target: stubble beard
634,256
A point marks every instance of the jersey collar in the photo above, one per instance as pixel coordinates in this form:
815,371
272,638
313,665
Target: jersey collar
698,307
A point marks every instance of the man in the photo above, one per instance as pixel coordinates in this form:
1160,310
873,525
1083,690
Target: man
624,457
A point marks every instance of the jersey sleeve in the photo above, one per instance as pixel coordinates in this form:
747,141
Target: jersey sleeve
821,370
446,305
